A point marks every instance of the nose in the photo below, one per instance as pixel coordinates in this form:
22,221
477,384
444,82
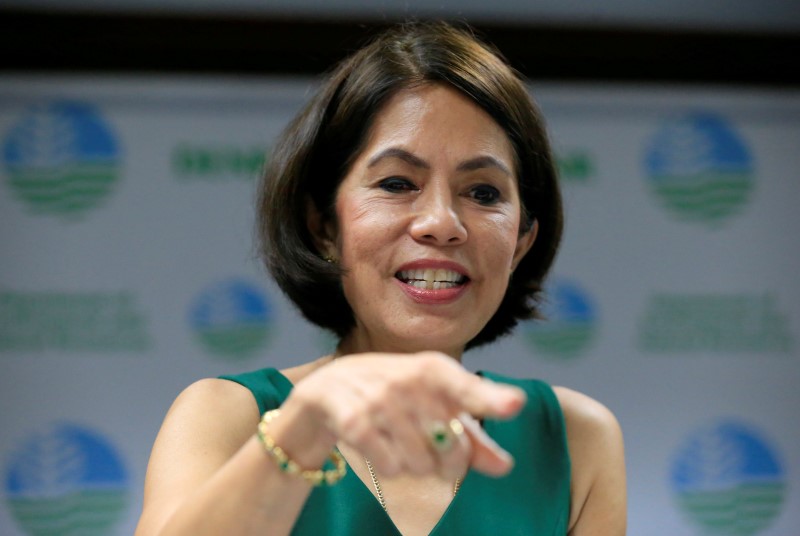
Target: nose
436,218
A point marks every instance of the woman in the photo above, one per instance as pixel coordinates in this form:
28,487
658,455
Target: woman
413,209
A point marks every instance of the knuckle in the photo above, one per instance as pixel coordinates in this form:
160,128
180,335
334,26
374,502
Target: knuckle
432,358
358,433
351,424
422,465
370,401
375,399
397,387
463,390
429,364
389,388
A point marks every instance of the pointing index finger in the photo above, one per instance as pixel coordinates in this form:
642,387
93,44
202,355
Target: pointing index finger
479,396
490,399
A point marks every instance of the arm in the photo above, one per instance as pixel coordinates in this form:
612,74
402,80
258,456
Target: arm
208,474
598,494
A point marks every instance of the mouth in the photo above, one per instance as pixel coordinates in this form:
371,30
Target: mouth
432,279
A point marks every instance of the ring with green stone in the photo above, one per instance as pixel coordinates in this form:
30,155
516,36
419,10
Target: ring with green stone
443,435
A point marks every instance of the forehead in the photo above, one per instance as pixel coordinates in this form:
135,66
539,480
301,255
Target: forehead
436,121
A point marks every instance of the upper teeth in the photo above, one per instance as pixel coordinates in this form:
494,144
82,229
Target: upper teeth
430,278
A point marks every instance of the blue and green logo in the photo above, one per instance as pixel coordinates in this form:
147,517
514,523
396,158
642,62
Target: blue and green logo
569,325
728,479
232,319
67,480
700,168
61,158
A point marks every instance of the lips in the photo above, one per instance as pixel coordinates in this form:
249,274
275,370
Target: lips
428,281
431,278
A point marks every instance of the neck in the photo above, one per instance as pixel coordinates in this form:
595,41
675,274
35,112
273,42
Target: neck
357,342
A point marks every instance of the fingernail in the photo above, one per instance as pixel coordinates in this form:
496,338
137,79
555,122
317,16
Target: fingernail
475,429
507,457
511,399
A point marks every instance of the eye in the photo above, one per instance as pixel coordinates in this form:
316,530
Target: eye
485,194
397,184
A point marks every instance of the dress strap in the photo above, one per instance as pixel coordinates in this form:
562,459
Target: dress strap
269,387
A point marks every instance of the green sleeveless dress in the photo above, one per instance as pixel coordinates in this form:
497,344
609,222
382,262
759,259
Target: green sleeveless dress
532,500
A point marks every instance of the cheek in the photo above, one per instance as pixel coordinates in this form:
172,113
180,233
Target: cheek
501,234
364,225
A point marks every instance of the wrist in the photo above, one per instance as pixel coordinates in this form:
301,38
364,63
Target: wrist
301,435
315,476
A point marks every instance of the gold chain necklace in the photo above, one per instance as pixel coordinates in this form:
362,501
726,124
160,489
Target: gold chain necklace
379,491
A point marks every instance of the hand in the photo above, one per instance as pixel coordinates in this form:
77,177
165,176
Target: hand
383,406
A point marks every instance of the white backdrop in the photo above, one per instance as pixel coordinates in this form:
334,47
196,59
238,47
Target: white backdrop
127,272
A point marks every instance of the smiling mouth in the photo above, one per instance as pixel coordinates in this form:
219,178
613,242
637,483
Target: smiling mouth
430,279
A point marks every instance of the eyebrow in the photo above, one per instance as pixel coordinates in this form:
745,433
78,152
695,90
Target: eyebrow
402,154
480,162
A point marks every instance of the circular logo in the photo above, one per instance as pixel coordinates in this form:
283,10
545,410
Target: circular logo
232,319
728,479
700,168
66,480
61,158
569,322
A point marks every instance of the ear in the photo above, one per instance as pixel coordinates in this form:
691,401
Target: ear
524,244
322,231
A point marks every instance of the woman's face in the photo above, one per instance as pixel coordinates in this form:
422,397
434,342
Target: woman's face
428,224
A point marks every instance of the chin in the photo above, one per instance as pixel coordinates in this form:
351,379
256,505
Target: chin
443,342
418,333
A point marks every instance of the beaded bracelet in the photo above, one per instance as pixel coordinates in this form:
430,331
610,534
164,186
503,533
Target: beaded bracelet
315,477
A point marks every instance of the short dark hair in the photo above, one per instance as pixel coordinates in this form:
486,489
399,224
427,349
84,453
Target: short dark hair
318,147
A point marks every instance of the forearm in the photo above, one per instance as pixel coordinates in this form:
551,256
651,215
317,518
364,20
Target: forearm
246,494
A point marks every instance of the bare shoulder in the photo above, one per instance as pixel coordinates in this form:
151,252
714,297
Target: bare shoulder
214,390
207,423
211,416
586,417
595,443
215,399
